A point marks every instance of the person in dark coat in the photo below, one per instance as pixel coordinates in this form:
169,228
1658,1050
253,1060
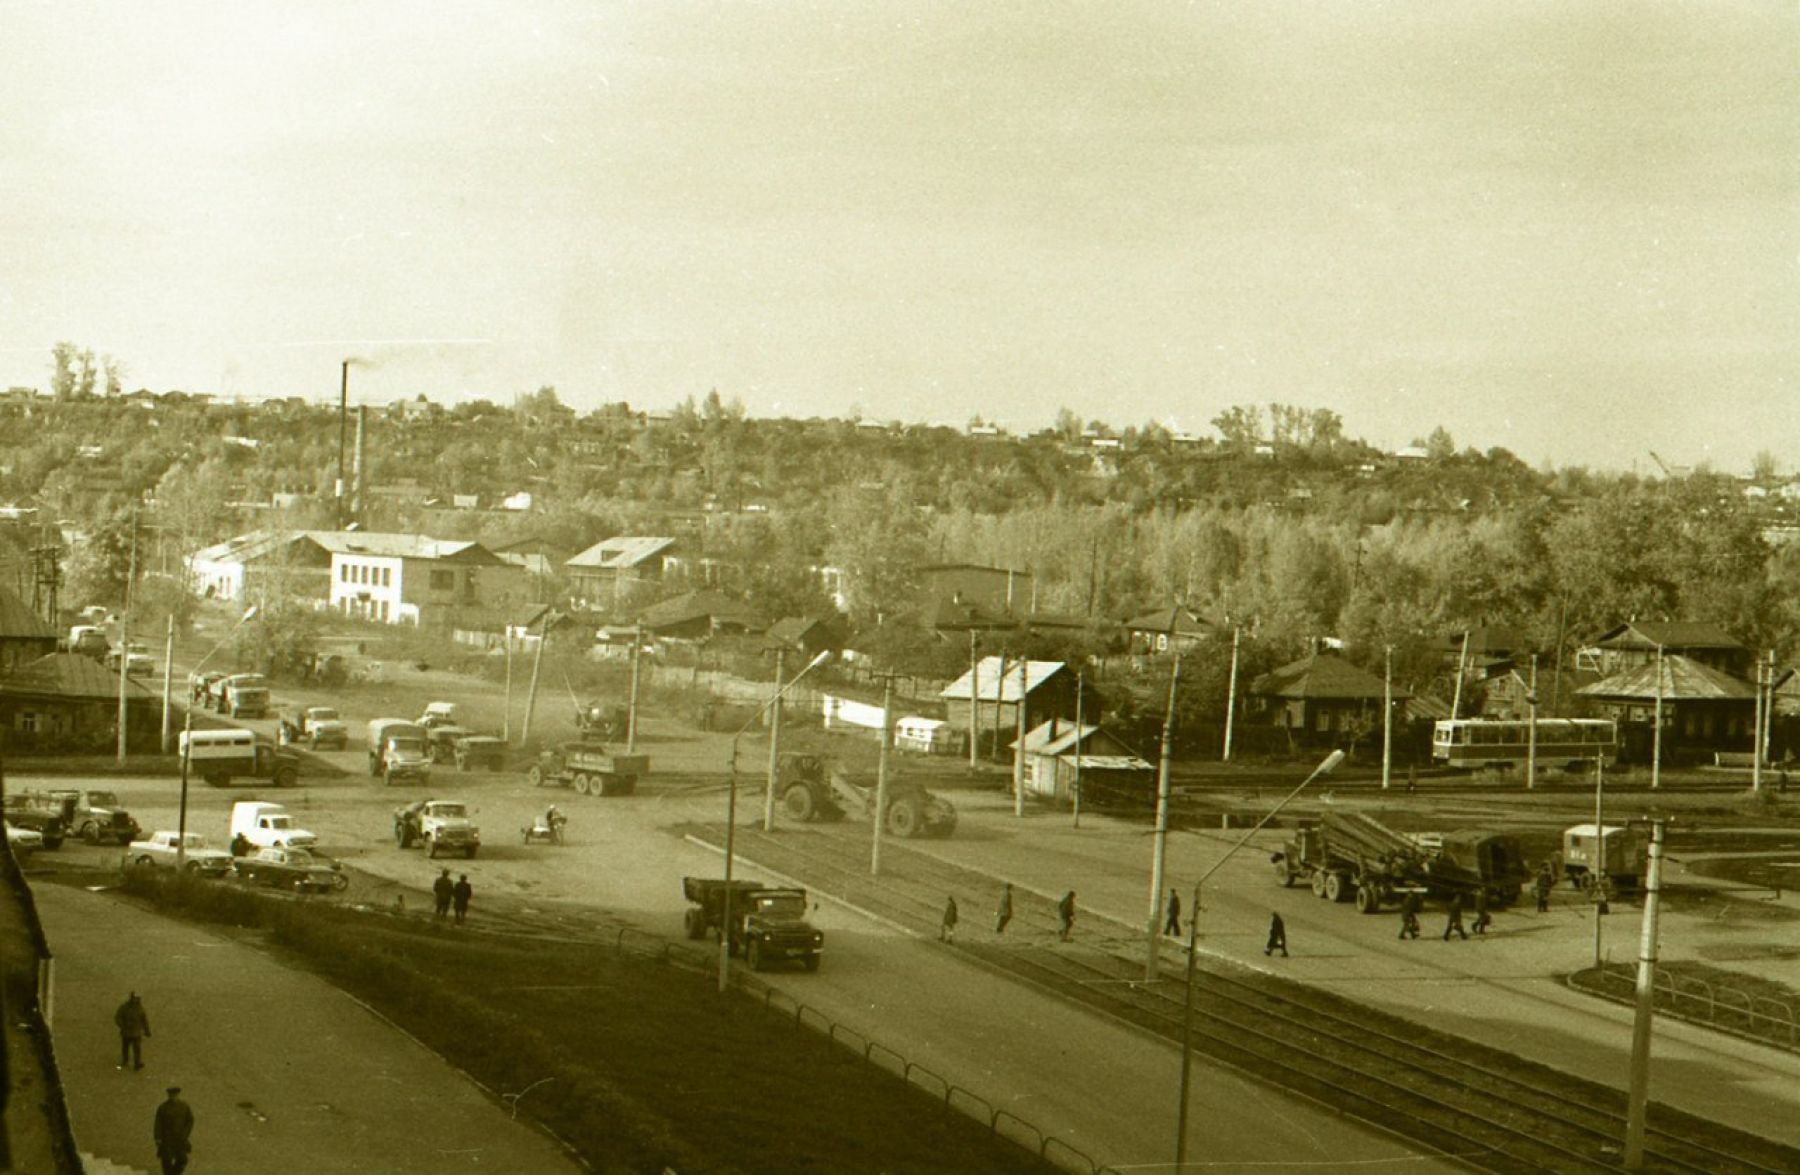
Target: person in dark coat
174,1133
1065,914
947,931
1277,936
1482,919
1172,924
1003,912
1454,920
134,1026
240,845
443,889
1542,886
1409,916
459,897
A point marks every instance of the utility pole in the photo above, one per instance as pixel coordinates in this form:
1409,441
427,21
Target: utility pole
1531,735
1756,734
1656,743
1019,745
1075,790
1462,660
631,712
1599,848
974,706
168,683
1639,1097
343,436
506,711
1159,849
1763,739
999,700
125,637
775,748
881,773
537,664
1387,719
1231,693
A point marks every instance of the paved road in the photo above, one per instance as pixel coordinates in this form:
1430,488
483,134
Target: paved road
282,1069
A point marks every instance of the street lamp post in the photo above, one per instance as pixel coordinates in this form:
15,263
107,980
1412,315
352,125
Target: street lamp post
731,818
1327,766
187,728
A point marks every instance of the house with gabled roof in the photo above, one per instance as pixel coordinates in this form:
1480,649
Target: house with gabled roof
1000,684
616,572
1061,756
1704,710
262,565
24,635
1636,643
70,702
1321,700
414,579
1166,630
698,616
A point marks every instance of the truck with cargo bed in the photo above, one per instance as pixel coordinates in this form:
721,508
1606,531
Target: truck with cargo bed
767,924
1351,856
589,768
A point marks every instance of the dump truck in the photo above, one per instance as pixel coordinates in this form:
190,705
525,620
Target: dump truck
815,787
768,923
1351,856
589,768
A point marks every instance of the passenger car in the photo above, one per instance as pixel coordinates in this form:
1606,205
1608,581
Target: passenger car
296,869
162,849
41,814
23,840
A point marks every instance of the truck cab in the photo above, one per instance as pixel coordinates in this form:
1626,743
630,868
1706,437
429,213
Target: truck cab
774,930
439,825
399,750
244,695
96,815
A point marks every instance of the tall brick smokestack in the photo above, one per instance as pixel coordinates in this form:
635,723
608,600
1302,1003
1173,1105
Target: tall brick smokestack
356,467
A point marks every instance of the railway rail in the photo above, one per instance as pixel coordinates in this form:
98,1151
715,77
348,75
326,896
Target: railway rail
1480,1106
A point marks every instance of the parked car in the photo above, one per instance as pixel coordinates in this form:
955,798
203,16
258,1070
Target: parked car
164,848
296,869
89,641
23,840
40,813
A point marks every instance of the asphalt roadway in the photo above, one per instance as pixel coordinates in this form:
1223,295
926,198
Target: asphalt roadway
283,1070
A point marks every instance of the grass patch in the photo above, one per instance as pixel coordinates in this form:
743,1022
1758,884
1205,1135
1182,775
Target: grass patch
638,1065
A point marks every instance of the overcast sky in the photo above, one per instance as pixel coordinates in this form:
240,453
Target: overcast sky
1567,229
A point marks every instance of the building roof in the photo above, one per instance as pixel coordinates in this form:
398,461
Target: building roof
791,632
620,552
70,675
1489,641
19,622
1670,634
1322,676
1682,680
247,548
402,546
956,615
988,671
1175,621
711,606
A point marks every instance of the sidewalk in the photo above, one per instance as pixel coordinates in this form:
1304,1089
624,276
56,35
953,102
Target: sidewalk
1499,990
281,1068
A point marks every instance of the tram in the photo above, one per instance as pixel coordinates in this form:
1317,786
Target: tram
1500,742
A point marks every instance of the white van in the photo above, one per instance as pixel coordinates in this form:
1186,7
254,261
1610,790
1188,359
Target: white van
267,825
925,736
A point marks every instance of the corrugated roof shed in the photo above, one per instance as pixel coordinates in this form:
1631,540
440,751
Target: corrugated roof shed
1322,676
1670,634
988,670
621,553
18,620
1682,680
70,675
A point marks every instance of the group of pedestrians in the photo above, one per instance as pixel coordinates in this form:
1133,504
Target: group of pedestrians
451,895
1003,914
173,1126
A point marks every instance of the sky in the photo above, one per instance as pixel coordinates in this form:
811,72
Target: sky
1567,229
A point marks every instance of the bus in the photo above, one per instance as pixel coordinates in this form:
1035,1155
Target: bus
1502,742
219,755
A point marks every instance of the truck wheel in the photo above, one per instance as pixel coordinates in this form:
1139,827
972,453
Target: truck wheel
535,775
797,802
1339,888
1368,900
753,955
812,962
90,832
1284,873
1318,883
287,777
374,765
340,881
582,783
903,819
693,921
193,868
147,863
400,838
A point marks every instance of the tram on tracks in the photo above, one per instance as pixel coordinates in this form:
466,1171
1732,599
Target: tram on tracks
1502,742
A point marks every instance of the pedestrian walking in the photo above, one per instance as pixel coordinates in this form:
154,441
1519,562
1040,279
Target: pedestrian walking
1172,924
443,889
459,897
1065,916
947,931
1482,919
134,1026
1277,936
1003,912
174,1132
1454,920
1542,886
1409,916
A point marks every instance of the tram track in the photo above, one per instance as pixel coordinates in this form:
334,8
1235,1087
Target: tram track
1483,1107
